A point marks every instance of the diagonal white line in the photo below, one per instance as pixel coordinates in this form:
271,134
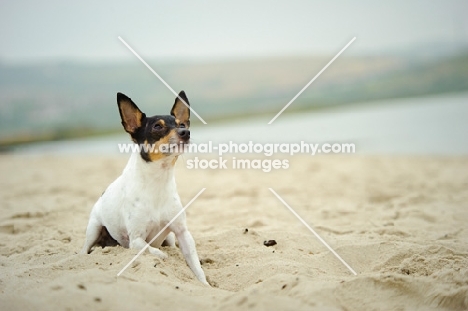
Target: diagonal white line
159,233
310,82
161,79
313,231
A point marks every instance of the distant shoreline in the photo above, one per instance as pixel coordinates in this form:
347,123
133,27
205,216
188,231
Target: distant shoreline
54,102
88,132
423,125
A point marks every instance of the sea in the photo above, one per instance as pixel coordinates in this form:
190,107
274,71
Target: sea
436,125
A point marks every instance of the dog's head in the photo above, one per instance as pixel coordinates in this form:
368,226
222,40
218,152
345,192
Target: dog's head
154,134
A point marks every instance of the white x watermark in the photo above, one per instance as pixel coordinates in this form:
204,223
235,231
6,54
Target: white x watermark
313,232
272,120
310,82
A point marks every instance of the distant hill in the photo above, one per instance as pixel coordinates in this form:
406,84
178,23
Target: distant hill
60,100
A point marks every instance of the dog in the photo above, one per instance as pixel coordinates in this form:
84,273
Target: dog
144,199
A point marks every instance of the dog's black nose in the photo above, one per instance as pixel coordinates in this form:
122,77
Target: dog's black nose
184,133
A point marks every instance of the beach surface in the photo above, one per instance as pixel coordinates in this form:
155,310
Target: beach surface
399,221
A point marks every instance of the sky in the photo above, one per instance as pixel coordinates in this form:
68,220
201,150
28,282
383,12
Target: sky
36,31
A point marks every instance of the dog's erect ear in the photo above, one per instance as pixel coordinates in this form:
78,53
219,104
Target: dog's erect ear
132,117
180,110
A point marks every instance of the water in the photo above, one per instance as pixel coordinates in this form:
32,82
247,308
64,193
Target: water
415,126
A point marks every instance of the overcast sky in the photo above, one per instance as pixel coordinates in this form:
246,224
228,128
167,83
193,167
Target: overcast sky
88,30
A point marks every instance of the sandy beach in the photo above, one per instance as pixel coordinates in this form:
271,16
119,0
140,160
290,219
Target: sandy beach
400,222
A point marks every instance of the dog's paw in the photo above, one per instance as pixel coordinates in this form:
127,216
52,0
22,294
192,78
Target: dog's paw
204,280
157,252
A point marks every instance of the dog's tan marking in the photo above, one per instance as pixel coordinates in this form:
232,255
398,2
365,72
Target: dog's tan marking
156,154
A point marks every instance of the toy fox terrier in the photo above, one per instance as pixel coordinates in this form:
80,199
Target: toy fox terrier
144,199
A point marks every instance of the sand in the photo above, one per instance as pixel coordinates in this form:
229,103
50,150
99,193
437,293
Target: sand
400,222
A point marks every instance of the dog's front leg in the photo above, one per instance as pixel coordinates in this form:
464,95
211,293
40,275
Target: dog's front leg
187,247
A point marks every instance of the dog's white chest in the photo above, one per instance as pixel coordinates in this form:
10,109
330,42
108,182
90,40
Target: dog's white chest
156,206
140,202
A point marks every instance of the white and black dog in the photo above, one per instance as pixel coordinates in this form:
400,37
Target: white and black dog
144,199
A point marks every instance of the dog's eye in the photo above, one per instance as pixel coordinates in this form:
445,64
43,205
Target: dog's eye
157,127
182,125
